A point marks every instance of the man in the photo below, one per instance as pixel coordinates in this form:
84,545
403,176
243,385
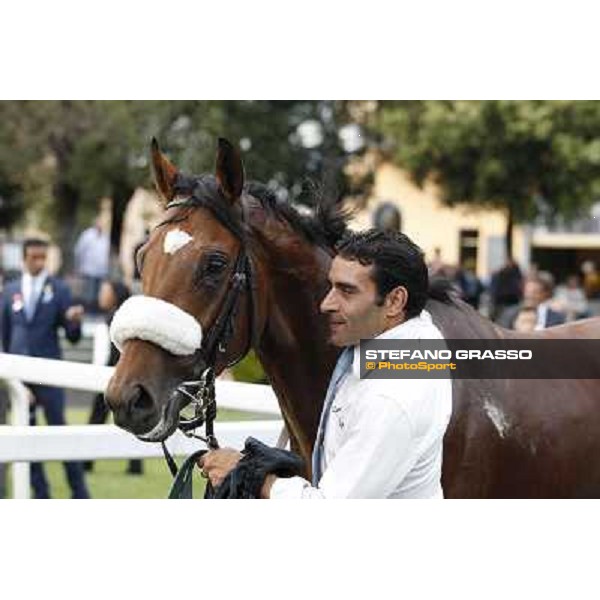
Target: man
377,438
570,299
591,280
537,294
92,252
136,284
437,267
506,288
526,320
33,309
469,284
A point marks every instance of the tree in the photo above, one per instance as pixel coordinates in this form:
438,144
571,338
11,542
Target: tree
286,144
10,203
61,157
513,155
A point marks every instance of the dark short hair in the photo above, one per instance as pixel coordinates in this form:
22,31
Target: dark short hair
34,243
397,261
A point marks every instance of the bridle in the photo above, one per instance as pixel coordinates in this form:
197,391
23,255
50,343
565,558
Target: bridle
200,390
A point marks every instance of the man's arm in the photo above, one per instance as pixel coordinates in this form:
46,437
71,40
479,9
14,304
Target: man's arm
70,316
378,453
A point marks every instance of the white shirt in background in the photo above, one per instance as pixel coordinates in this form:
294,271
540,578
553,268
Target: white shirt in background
32,284
92,252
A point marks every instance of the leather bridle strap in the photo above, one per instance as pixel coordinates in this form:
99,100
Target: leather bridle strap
220,333
181,488
217,342
169,459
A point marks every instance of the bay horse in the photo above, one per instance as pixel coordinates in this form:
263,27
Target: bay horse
506,438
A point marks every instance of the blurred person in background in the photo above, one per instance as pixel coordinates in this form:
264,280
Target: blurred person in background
570,299
470,286
506,288
537,294
436,266
110,297
34,307
137,278
387,217
92,254
526,320
591,280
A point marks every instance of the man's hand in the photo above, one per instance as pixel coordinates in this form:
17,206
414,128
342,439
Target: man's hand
217,464
74,313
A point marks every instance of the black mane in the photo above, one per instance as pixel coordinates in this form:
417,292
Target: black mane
324,228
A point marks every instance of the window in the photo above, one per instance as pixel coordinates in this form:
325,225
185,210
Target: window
468,247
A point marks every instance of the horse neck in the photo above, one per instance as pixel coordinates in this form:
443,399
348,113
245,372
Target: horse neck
293,348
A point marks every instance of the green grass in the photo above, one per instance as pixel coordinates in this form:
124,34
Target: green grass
109,478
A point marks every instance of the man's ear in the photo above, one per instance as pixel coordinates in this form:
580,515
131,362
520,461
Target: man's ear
395,302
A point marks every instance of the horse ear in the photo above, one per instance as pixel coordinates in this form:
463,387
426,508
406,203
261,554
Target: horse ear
165,173
229,170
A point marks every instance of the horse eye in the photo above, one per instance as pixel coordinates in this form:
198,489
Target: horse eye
215,265
209,270
214,268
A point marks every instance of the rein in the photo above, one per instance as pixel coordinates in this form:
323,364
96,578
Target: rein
200,392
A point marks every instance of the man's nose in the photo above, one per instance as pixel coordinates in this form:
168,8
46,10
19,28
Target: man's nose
328,303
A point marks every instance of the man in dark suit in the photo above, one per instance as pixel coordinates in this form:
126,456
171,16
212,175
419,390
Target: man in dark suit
537,294
34,307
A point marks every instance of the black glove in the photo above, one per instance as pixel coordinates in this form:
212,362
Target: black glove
248,477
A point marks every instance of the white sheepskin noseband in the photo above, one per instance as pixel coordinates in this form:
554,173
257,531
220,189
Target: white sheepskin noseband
156,321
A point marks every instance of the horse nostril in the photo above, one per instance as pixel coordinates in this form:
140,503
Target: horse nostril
140,400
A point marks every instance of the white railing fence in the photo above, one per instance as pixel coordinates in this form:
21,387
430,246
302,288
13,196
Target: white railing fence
21,444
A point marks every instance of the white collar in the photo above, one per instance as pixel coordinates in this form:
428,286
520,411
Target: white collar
404,331
43,274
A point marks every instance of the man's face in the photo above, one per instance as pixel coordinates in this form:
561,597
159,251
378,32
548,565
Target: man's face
35,259
533,294
351,304
106,297
526,321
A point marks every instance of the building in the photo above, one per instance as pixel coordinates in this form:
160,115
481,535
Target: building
466,233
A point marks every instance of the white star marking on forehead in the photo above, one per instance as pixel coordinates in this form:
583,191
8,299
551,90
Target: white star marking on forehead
175,240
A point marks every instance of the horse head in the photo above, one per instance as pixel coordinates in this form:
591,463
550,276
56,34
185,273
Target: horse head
201,288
